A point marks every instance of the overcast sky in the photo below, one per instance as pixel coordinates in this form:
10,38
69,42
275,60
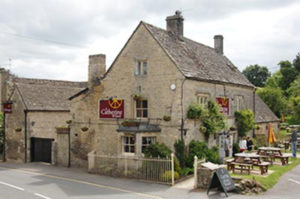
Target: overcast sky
53,38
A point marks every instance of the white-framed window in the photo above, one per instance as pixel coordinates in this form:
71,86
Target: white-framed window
202,99
141,68
128,144
141,108
238,103
146,141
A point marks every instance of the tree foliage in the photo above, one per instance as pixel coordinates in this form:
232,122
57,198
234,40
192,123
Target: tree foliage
289,74
274,80
294,89
257,75
274,98
244,121
296,62
157,150
179,147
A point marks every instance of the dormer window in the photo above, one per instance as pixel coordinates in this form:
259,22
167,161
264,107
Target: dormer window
141,68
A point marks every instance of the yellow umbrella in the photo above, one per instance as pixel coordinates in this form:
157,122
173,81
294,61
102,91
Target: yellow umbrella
282,118
271,136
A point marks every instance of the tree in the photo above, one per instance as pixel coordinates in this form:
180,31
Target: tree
273,81
257,75
289,74
296,62
274,98
294,89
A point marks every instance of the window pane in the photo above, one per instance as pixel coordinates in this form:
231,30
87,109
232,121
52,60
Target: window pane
131,140
145,104
126,148
138,113
145,68
138,68
138,103
145,113
131,149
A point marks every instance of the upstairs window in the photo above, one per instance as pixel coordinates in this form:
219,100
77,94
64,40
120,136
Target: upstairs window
238,103
202,99
141,108
141,68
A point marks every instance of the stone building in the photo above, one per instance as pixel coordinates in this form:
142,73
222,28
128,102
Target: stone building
155,77
38,107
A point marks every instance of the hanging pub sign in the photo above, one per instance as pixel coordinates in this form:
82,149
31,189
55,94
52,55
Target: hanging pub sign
110,109
224,104
7,107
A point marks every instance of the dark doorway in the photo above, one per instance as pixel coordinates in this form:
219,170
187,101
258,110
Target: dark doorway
41,149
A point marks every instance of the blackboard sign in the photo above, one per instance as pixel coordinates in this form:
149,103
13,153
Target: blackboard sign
221,179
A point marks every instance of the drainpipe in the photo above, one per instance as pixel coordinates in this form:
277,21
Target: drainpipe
4,139
69,147
25,134
182,119
253,130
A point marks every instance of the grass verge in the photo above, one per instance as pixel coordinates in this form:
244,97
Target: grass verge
272,179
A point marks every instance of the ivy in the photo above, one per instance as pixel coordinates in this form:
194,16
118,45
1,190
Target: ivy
245,121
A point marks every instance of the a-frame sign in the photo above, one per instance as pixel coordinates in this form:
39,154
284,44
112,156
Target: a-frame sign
221,178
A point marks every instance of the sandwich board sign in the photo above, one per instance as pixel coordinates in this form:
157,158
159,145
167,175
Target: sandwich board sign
221,179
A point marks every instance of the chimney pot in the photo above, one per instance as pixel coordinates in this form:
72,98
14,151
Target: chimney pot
97,69
219,44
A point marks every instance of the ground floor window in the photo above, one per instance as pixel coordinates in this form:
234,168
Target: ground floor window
146,141
128,143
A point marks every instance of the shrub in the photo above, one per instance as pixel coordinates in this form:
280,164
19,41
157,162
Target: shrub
245,121
194,111
212,155
179,152
261,140
198,149
157,150
176,165
186,171
167,176
235,148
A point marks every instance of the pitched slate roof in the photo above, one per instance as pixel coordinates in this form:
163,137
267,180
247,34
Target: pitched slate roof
47,95
263,113
197,61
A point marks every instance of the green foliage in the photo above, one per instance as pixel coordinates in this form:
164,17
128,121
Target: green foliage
294,89
235,148
295,107
273,81
296,62
201,150
157,150
289,74
274,98
213,120
167,176
245,121
177,167
186,171
195,111
257,75
179,152
261,140
212,155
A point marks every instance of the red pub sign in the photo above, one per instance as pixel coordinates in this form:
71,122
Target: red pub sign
7,107
110,109
224,104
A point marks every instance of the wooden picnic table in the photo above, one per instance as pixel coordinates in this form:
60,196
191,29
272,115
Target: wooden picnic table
270,153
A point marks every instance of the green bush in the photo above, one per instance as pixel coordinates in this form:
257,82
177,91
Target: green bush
176,165
245,121
198,149
212,155
157,150
194,111
167,176
235,148
179,152
186,171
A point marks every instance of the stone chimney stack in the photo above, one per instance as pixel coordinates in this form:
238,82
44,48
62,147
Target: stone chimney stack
97,69
175,24
219,44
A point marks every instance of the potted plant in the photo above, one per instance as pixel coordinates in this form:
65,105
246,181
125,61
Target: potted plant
137,97
232,128
166,118
18,129
84,128
69,121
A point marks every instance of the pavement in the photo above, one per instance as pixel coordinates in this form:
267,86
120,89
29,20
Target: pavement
37,180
